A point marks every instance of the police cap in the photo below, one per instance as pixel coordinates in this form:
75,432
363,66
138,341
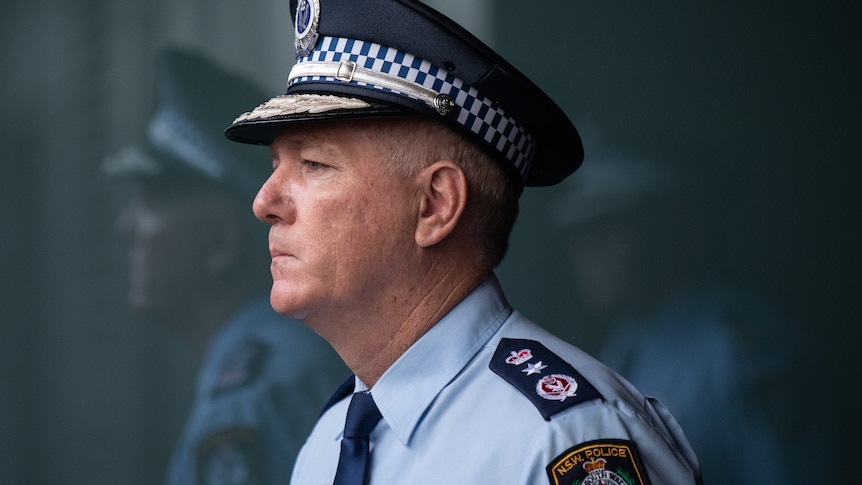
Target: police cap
184,143
357,58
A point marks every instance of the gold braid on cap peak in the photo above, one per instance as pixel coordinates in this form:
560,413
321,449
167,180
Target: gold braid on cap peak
286,105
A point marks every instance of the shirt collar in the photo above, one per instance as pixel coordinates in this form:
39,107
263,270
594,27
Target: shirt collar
408,387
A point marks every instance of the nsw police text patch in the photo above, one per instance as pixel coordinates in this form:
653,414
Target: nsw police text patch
606,462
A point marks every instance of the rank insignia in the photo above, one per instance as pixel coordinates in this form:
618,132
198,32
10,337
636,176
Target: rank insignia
601,462
548,381
557,387
230,457
241,366
519,357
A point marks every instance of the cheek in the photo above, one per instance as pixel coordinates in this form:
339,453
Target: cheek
382,237
343,241
352,241
346,243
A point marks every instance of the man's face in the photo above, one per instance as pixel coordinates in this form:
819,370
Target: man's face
166,243
341,228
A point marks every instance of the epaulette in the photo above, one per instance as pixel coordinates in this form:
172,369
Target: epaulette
241,366
548,381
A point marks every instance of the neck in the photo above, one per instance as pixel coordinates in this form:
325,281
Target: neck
372,345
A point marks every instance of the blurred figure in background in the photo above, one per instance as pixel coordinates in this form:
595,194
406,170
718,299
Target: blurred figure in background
645,255
199,265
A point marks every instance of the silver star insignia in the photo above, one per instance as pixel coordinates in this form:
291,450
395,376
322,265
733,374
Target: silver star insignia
534,368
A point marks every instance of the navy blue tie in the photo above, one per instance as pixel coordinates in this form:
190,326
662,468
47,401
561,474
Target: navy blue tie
362,417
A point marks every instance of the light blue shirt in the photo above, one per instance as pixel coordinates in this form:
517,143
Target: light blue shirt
260,389
448,418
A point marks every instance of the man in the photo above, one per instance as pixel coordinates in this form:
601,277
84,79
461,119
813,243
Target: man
196,256
398,153
651,266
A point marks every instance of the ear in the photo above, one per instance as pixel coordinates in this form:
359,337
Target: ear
443,198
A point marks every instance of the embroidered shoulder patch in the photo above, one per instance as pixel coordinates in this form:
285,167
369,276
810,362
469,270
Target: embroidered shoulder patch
241,366
600,462
230,456
548,381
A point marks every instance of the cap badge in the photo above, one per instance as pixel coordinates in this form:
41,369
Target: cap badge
307,18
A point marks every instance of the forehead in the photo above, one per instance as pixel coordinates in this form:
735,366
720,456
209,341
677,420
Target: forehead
355,146
320,135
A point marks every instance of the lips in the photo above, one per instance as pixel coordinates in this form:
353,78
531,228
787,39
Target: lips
277,246
282,257
277,253
281,261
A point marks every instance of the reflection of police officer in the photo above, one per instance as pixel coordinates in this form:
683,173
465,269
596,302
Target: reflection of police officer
645,262
198,266
398,153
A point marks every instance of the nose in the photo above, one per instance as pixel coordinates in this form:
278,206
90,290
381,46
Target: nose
273,204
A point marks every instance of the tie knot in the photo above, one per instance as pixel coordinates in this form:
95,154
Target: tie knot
362,416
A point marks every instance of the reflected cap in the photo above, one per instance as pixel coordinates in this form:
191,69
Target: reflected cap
610,188
373,58
184,143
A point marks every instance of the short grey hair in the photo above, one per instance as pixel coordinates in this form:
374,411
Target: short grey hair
413,143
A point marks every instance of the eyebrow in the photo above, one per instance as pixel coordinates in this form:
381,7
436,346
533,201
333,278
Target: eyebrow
310,142
293,143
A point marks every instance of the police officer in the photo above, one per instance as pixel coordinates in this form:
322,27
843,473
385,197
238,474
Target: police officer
399,152
646,258
196,259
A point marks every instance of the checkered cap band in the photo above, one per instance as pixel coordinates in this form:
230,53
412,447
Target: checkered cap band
476,113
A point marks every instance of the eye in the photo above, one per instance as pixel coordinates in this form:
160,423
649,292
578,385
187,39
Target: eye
313,166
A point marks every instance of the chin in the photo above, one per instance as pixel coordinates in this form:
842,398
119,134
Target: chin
286,300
